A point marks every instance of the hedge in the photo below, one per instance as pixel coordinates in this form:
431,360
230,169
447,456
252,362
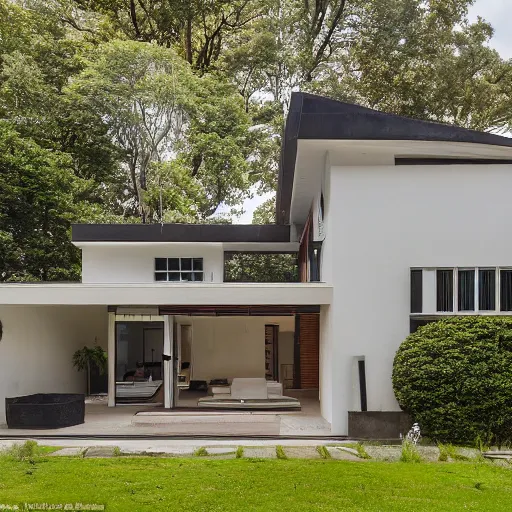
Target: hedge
454,377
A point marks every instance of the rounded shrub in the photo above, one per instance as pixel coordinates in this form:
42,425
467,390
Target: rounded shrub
454,377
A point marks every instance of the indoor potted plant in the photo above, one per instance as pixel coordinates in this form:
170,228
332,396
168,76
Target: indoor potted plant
87,357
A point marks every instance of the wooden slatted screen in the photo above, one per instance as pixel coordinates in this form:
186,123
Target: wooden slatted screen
309,339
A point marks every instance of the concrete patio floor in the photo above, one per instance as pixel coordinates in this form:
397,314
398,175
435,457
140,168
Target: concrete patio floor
101,420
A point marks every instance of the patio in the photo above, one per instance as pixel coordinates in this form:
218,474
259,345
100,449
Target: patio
123,421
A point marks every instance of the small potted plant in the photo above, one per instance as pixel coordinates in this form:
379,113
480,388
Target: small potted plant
87,357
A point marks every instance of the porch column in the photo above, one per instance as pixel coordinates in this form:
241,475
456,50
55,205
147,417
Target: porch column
111,353
168,361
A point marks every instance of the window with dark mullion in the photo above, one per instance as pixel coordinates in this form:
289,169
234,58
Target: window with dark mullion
445,290
416,290
466,289
506,289
487,289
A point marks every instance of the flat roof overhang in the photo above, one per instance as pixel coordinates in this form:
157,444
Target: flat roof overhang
156,294
233,233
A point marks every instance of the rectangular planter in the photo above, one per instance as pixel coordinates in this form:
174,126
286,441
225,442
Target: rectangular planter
45,410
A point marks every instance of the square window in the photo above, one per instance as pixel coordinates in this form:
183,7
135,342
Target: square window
160,264
173,263
198,264
198,276
174,276
186,264
160,276
186,276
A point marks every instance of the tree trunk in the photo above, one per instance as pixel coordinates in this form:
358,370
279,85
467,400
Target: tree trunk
88,379
188,40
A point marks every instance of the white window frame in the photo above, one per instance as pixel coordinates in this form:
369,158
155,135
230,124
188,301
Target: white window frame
456,311
180,271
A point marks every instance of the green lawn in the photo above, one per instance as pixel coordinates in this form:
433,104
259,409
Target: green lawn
154,484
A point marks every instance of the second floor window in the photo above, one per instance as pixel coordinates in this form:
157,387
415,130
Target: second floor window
178,269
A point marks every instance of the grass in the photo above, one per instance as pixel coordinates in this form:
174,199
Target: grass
323,451
280,453
28,450
149,484
239,452
359,447
448,451
409,453
201,452
361,452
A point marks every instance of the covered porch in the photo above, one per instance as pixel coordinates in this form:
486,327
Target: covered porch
225,342
135,421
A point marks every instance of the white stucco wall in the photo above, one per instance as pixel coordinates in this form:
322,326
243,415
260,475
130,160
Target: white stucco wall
135,263
388,219
37,347
229,347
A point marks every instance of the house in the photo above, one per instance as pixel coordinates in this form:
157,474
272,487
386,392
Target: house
396,222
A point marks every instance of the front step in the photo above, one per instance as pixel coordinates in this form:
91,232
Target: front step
175,423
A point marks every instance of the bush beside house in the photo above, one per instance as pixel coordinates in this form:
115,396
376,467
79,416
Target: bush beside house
454,377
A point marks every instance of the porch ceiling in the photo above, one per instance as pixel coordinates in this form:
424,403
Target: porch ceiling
188,294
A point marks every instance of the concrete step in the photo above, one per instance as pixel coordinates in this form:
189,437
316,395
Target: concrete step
207,424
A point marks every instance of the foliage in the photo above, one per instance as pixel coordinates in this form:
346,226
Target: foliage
280,453
448,451
424,60
361,452
184,139
22,452
409,453
239,452
453,377
265,213
85,357
164,111
323,452
201,452
261,268
39,201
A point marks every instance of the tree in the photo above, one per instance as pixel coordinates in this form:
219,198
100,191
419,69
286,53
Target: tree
423,60
194,28
39,201
88,357
140,92
38,56
265,213
453,376
167,124
261,268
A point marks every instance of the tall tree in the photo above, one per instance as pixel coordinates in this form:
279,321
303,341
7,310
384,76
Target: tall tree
168,124
38,202
424,60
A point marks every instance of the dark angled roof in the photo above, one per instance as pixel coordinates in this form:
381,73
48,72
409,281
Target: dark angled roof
273,233
316,117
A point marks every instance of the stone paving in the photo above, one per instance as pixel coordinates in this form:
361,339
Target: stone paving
253,449
260,452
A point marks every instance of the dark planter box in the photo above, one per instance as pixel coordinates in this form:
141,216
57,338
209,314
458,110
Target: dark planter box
378,424
45,410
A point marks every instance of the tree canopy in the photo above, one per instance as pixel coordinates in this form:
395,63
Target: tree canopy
165,111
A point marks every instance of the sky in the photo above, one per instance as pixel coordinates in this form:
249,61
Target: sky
497,12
